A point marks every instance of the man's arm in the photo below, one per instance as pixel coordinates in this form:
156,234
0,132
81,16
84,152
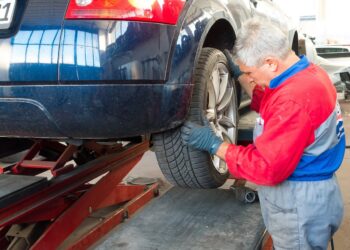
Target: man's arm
276,152
274,155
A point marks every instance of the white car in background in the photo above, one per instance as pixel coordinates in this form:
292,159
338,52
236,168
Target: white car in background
334,59
334,53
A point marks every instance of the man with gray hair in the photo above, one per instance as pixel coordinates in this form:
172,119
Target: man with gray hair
299,139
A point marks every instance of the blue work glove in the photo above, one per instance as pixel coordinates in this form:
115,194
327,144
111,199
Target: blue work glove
234,69
200,137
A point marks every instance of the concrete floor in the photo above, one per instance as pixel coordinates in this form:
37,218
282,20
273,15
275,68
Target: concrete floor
148,167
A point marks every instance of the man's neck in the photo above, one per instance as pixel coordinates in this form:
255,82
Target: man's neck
285,64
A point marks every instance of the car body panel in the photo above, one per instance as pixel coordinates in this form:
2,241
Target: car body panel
87,89
114,51
91,111
103,79
201,16
31,54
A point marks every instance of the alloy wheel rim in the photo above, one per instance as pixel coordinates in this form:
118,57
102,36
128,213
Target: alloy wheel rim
221,108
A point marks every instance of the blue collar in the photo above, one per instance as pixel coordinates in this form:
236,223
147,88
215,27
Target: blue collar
303,63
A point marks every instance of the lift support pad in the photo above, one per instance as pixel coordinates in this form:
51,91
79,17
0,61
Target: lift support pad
191,219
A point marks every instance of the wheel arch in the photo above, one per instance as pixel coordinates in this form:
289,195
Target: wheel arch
221,35
200,28
215,30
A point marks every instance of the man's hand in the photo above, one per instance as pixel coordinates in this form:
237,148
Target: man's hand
234,68
236,73
200,137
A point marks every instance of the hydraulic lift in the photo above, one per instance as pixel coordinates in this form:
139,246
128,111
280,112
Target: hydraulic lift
40,213
84,198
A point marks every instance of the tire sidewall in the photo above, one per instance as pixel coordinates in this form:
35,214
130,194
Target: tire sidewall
201,88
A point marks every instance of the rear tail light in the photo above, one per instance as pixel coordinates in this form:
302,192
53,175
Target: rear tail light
159,11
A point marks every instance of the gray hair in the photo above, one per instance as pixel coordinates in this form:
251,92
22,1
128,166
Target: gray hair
258,39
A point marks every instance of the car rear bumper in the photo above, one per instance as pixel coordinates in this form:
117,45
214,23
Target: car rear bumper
91,111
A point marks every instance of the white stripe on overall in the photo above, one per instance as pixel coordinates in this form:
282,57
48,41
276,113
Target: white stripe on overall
300,214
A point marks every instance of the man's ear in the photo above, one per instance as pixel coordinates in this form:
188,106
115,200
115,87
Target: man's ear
272,64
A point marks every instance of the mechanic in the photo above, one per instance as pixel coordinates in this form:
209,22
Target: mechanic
299,139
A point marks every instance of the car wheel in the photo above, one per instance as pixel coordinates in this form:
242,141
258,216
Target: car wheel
214,100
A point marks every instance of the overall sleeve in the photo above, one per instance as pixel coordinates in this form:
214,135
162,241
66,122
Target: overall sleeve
257,96
277,151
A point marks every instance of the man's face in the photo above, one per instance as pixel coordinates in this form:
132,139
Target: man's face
260,75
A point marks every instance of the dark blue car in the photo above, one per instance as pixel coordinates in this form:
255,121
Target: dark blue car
114,69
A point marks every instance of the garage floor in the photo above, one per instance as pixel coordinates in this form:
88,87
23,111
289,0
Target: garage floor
148,167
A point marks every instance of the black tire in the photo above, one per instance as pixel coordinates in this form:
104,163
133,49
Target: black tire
184,166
